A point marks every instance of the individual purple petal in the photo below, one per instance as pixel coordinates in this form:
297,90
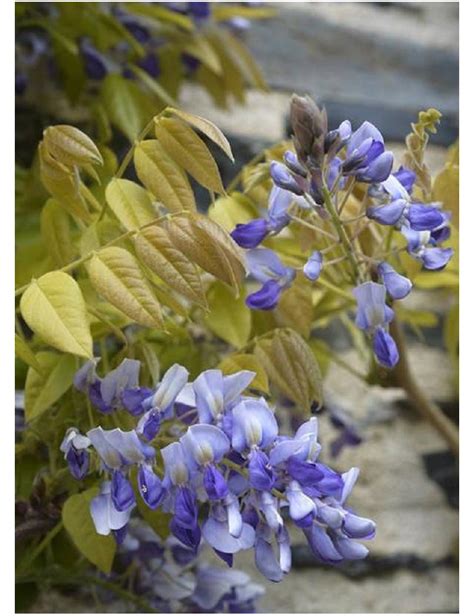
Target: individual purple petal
283,539
424,217
185,508
235,384
104,514
313,266
131,449
261,475
250,234
349,480
385,348
254,424
284,179
436,258
109,455
406,177
78,462
266,298
269,505
395,188
293,163
123,496
234,517
217,535
389,214
364,132
132,399
205,443
149,424
321,544
173,381
214,483
264,265
357,527
332,516
350,549
209,391
265,559
150,486
174,457
398,286
125,376
305,472
378,170
190,537
86,375
370,298
300,504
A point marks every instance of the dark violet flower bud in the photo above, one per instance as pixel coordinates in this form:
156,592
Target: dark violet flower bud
132,399
436,258
122,493
284,179
261,475
185,508
97,400
150,486
266,298
313,266
78,462
424,217
214,483
406,177
293,163
150,65
94,62
398,286
305,472
385,348
191,537
149,424
389,214
190,62
250,234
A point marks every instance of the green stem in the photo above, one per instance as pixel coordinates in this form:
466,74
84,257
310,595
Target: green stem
128,156
340,231
236,179
41,546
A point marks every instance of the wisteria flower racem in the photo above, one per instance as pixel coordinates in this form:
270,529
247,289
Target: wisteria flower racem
232,458
314,178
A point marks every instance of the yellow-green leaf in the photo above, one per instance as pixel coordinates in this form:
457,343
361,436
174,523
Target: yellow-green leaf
244,361
56,233
71,146
230,210
446,190
229,318
24,352
127,106
98,549
189,151
130,203
117,276
54,308
205,243
207,127
163,177
295,308
198,47
155,248
44,388
292,366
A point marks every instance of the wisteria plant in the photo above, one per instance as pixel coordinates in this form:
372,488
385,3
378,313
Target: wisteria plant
174,380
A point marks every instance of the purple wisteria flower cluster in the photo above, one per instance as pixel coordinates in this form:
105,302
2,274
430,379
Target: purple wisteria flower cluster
34,46
324,165
230,478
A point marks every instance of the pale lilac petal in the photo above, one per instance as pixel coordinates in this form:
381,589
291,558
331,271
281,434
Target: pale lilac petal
173,381
217,536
